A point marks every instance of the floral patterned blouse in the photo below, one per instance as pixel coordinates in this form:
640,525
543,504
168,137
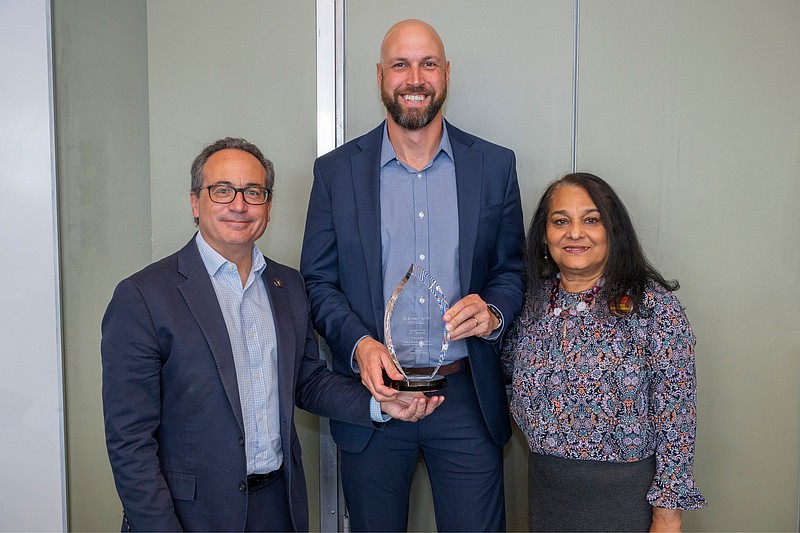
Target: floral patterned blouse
595,386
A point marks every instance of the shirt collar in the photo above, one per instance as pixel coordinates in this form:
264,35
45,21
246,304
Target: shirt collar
387,150
213,261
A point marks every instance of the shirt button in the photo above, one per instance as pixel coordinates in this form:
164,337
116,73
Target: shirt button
421,257
419,175
242,487
421,214
422,300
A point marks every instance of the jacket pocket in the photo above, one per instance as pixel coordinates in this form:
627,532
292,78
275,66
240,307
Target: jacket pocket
181,486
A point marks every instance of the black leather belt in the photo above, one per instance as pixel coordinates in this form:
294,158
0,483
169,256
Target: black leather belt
256,481
444,370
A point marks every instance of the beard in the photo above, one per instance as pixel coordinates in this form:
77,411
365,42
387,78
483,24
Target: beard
416,118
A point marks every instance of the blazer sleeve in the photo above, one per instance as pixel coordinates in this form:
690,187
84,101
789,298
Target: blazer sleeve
132,410
326,393
320,261
504,281
317,389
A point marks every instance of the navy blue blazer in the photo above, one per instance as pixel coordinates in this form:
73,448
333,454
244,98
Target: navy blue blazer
341,258
173,419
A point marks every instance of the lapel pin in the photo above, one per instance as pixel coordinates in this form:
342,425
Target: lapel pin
278,282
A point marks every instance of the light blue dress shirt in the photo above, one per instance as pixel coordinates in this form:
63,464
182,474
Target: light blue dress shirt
251,328
419,225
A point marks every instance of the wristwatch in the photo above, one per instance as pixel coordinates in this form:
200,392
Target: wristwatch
496,312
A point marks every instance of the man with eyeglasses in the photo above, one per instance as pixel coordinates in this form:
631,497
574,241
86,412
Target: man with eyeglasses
205,354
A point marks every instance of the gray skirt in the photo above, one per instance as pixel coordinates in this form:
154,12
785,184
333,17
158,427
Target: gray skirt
574,495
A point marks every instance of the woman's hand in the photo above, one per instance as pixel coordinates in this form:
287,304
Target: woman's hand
666,520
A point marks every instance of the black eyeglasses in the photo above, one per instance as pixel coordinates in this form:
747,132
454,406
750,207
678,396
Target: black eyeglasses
226,194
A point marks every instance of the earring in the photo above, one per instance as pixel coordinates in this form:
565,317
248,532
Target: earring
545,252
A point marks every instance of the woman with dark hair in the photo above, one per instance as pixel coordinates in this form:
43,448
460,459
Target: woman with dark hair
602,366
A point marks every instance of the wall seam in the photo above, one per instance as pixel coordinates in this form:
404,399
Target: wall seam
575,75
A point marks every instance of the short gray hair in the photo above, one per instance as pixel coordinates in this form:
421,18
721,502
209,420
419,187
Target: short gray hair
229,143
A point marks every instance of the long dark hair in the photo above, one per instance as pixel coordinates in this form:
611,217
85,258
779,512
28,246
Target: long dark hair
627,269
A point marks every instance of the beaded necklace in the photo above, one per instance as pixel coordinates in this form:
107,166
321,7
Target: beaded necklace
585,301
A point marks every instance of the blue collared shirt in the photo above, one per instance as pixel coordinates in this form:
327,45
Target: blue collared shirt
251,328
419,225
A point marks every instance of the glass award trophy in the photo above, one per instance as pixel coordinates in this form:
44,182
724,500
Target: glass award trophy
415,332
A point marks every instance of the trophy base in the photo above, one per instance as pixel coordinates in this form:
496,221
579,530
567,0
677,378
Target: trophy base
416,385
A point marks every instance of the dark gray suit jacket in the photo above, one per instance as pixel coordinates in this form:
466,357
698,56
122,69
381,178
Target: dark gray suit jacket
173,419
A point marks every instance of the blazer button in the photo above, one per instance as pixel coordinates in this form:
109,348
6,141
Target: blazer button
242,487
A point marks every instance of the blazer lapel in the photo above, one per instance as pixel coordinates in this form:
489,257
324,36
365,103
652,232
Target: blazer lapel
367,195
468,163
284,333
198,292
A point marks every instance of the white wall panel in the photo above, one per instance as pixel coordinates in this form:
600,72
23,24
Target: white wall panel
32,492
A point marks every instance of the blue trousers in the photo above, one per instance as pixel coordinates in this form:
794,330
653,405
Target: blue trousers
268,507
464,465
